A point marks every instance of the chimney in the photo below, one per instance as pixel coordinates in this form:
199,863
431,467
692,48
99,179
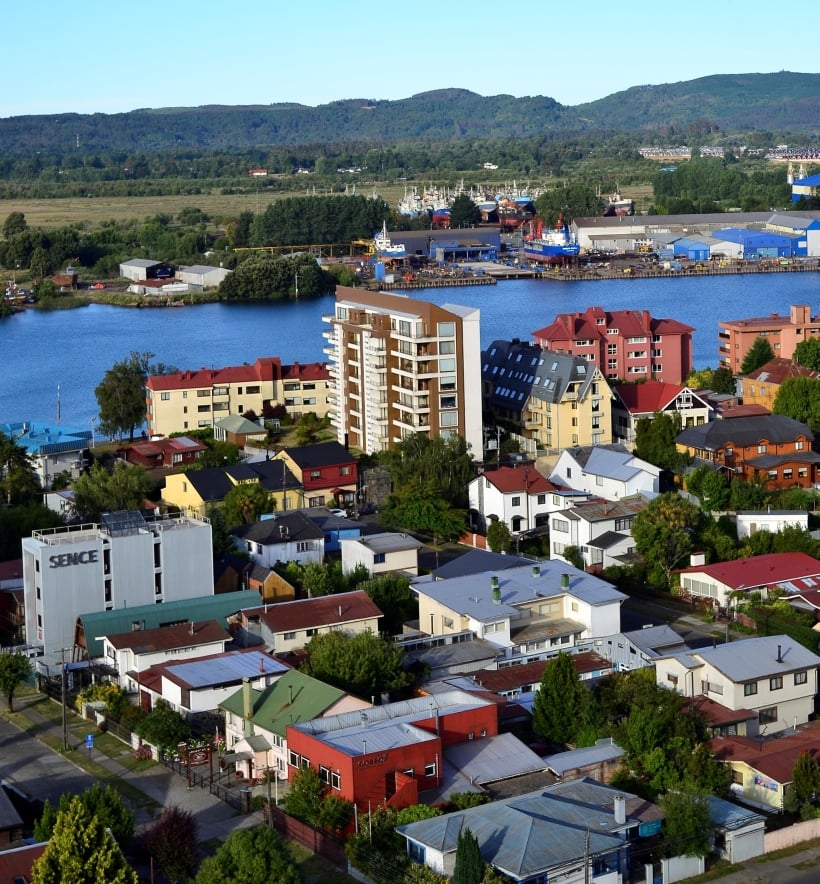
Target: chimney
620,810
192,627
565,581
779,654
340,612
290,694
496,590
536,570
247,706
261,665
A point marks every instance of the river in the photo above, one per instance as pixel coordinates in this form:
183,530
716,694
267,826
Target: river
73,349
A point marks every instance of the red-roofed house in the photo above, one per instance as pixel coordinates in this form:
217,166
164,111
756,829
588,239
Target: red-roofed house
130,653
519,496
636,401
624,344
289,626
174,452
189,400
762,769
790,571
761,386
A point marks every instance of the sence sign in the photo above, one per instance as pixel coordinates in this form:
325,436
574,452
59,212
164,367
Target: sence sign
85,557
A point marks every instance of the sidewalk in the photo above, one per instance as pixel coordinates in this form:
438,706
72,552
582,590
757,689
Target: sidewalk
148,791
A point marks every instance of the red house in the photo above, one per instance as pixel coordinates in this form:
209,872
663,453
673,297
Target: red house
625,344
389,754
327,470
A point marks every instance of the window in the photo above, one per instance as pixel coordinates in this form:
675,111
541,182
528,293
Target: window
446,329
289,636
798,446
293,758
750,689
335,781
776,683
315,474
446,365
761,449
448,402
768,715
430,769
672,679
801,677
447,347
560,525
164,396
516,501
314,630
448,419
324,775
379,558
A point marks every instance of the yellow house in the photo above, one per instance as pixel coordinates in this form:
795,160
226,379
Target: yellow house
553,399
195,491
761,386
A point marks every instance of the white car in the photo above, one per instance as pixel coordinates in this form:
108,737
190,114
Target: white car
341,513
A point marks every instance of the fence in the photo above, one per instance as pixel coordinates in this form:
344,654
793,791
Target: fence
315,840
808,830
203,779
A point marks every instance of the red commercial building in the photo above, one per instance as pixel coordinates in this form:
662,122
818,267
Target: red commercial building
389,754
626,345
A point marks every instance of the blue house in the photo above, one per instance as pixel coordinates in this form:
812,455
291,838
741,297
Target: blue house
52,448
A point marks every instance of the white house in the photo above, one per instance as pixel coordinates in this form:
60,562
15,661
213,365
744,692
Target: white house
52,448
607,471
200,684
284,537
600,530
772,675
635,401
751,521
519,496
383,553
793,572
131,653
528,613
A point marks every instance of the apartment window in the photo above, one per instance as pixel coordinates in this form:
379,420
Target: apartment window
184,394
612,349
761,449
293,758
776,683
802,472
448,419
768,715
203,394
447,383
560,525
430,770
289,636
750,689
324,775
798,445
516,501
220,391
787,473
252,390
448,402
335,781
379,558
447,347
164,396
672,679
612,364
446,365
314,630
493,627
446,329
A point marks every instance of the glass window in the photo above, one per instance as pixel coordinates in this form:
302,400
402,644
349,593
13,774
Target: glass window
776,683
750,689
767,716
446,329
801,677
446,365
447,347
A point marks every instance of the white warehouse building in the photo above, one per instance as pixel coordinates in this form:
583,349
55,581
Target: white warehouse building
124,561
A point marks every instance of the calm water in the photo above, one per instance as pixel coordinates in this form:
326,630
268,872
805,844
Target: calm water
75,348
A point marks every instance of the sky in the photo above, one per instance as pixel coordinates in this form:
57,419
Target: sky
108,57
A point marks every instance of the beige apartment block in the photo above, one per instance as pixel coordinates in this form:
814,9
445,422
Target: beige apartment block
399,366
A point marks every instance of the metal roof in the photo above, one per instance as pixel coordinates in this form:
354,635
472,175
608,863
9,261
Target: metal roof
228,668
563,762
489,759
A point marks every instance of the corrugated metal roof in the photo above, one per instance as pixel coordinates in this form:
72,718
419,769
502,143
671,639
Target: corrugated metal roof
761,657
379,737
225,669
563,762
488,759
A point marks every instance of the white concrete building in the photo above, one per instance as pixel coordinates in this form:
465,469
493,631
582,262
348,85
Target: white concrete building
124,561
773,676
382,553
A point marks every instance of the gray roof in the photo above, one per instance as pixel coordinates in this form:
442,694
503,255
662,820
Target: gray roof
653,640
611,463
563,762
753,658
285,527
387,541
140,262
731,816
228,668
472,595
534,833
489,759
517,370
381,736
477,561
744,431
457,654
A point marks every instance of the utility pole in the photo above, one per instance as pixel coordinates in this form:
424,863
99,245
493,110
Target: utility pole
64,697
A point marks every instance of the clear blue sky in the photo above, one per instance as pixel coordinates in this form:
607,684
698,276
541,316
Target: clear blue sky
92,56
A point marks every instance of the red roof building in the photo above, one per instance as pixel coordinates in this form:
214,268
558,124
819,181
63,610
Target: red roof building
761,386
636,401
628,345
737,336
177,451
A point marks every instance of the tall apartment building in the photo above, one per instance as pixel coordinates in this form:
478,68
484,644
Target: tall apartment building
626,345
400,366
189,400
124,561
783,333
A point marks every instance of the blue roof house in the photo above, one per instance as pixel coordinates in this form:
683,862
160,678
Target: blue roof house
52,448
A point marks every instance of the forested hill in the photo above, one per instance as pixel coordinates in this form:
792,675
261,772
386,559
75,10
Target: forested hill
780,102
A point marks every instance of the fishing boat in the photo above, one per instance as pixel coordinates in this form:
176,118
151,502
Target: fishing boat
385,247
551,246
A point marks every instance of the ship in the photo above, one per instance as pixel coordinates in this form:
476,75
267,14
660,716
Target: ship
385,247
617,205
551,247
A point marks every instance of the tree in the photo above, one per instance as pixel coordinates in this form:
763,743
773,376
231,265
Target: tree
709,486
104,803
423,513
759,354
687,827
806,778
81,850
655,440
164,727
172,841
560,705
364,664
244,504
98,491
121,395
663,532
15,223
391,593
807,353
799,399
18,477
304,797
435,467
249,856
15,669
309,427
469,866
499,538
464,212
